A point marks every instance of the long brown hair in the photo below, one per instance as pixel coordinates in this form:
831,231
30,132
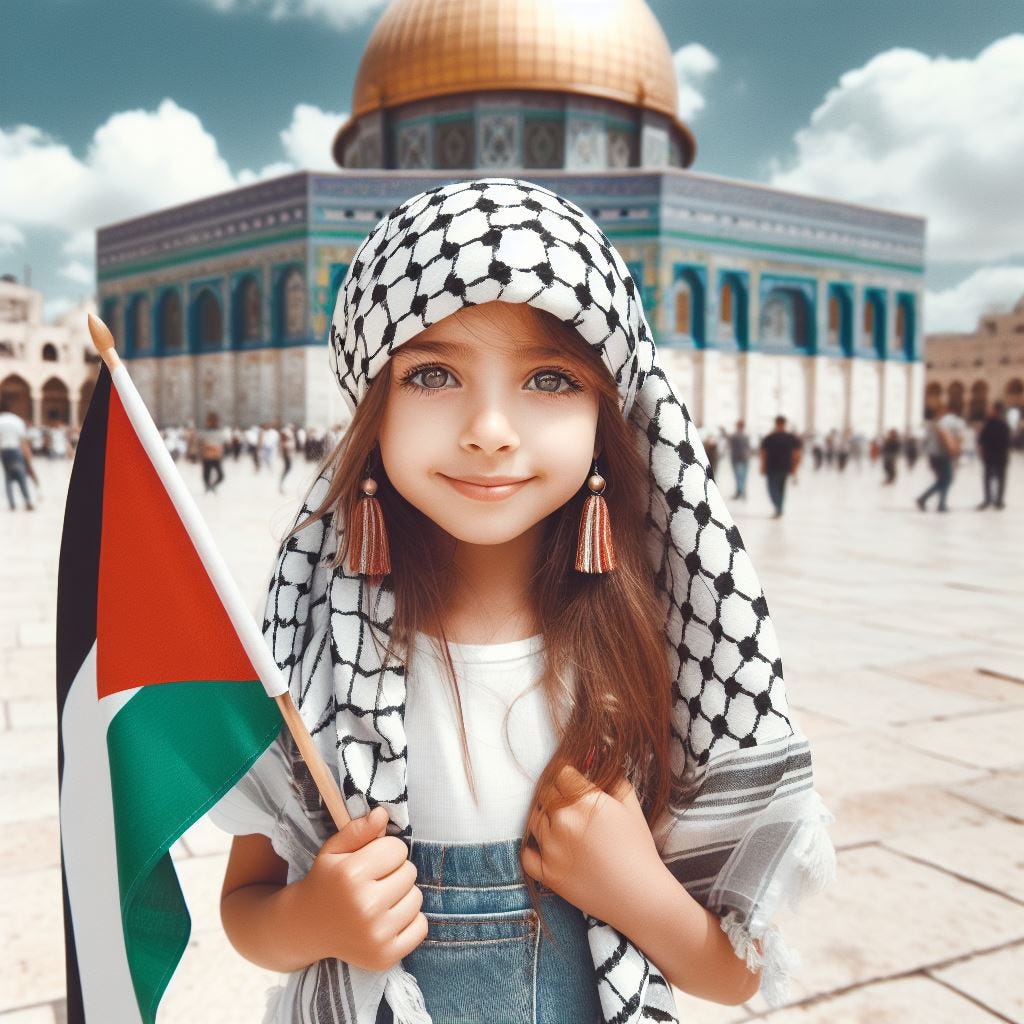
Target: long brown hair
605,649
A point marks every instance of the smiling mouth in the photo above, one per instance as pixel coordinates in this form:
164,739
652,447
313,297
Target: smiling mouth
496,490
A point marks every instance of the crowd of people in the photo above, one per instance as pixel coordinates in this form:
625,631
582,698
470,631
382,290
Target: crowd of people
944,441
266,445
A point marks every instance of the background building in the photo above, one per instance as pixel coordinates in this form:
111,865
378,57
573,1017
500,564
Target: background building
47,371
761,301
969,371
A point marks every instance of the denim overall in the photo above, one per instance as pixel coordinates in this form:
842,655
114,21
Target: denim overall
485,959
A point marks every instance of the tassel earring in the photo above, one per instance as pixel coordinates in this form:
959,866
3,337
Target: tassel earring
594,552
368,551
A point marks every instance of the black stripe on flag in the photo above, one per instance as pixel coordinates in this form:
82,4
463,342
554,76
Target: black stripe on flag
77,585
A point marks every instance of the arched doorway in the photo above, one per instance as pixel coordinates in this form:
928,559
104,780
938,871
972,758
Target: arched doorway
17,396
786,319
55,407
978,405
168,321
207,323
955,398
84,398
1015,393
932,398
247,312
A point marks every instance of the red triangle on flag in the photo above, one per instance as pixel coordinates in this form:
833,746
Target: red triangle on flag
158,617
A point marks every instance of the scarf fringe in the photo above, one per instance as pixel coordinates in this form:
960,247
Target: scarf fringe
766,951
405,998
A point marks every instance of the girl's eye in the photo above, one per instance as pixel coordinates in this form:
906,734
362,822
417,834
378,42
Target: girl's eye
430,378
554,383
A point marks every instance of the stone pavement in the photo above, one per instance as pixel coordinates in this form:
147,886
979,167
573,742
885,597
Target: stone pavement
904,655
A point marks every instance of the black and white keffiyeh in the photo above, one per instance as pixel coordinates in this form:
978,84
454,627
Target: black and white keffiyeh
747,834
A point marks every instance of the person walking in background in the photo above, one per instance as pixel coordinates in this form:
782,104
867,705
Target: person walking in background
710,440
994,447
780,457
16,455
212,442
943,442
270,439
890,453
287,449
739,456
911,450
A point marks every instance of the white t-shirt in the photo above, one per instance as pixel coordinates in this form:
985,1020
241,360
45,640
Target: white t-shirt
505,768
12,430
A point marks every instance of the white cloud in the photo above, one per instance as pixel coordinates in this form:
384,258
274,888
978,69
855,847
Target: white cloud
987,290
137,161
79,272
928,135
54,309
10,238
694,64
341,14
307,140
81,243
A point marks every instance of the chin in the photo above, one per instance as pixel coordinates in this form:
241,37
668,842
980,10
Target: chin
481,533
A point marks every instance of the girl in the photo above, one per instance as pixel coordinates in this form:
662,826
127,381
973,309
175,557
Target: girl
565,744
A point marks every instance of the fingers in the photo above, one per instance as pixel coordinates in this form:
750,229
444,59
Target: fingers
394,887
358,832
410,936
379,858
532,863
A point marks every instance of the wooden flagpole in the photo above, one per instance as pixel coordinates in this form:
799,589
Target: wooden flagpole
250,636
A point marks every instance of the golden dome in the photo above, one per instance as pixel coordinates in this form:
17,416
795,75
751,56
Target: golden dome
613,49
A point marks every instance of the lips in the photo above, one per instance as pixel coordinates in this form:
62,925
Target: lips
486,488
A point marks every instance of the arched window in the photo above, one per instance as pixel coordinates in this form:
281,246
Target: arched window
833,319
208,326
873,322
725,312
112,318
84,398
250,304
293,295
169,322
1015,392
684,310
869,319
49,352
137,326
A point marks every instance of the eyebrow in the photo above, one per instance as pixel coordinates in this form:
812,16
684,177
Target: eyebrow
454,349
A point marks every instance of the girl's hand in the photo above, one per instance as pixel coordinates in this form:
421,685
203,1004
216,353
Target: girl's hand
595,853
360,898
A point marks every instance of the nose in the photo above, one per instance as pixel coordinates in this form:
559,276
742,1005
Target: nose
489,431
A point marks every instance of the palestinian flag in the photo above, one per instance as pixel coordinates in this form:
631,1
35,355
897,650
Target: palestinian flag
160,707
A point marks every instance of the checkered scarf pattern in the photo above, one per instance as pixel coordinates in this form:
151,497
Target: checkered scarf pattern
745,831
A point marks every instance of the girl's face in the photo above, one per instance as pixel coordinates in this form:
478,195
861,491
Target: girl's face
487,429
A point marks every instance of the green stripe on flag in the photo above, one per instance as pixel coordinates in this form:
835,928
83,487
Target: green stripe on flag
175,749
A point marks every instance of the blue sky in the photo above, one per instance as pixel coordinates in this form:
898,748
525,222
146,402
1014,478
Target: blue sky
109,109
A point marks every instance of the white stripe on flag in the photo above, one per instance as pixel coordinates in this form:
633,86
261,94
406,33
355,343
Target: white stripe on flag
90,858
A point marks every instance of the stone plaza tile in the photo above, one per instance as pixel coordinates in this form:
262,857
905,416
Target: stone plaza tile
870,761
28,775
970,674
991,854
38,634
904,1001
995,980
28,672
988,741
865,697
31,1015
887,916
33,713
910,810
215,984
1002,794
23,843
31,937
